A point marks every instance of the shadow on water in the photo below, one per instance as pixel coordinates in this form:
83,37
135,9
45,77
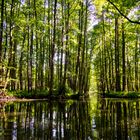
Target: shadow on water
105,119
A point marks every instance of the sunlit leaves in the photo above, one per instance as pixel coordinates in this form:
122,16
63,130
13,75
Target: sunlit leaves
99,4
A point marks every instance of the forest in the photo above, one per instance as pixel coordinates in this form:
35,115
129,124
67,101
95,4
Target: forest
70,46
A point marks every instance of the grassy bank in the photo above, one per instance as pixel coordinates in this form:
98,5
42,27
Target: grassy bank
41,94
130,94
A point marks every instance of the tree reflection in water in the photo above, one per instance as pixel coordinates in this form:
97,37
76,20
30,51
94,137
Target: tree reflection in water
46,121
72,120
118,119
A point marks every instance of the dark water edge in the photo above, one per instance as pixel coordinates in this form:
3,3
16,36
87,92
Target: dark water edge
94,119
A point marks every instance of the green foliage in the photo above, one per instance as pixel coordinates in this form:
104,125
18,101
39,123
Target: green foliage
99,4
54,45
31,95
123,94
115,50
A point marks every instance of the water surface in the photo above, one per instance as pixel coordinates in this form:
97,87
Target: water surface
103,119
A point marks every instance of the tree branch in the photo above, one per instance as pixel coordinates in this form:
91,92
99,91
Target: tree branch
136,22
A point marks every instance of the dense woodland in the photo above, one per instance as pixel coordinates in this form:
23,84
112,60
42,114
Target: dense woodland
60,44
117,50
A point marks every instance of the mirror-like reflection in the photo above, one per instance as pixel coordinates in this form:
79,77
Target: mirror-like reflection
42,120
105,119
118,119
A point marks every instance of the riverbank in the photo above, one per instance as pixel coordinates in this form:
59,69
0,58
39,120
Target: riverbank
6,96
130,94
12,95
24,95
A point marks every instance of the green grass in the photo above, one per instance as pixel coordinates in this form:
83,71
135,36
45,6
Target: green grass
130,94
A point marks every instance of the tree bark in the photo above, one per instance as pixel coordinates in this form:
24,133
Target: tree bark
1,29
1,39
117,68
123,60
136,62
66,48
52,52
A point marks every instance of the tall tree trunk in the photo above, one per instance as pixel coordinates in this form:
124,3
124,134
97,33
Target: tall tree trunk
47,72
1,29
30,51
10,54
62,47
6,35
41,64
14,53
1,39
136,62
123,59
53,50
104,55
21,64
36,36
66,47
117,68
82,68
13,64
80,36
30,62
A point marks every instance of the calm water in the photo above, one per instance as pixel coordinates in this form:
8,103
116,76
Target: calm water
102,119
